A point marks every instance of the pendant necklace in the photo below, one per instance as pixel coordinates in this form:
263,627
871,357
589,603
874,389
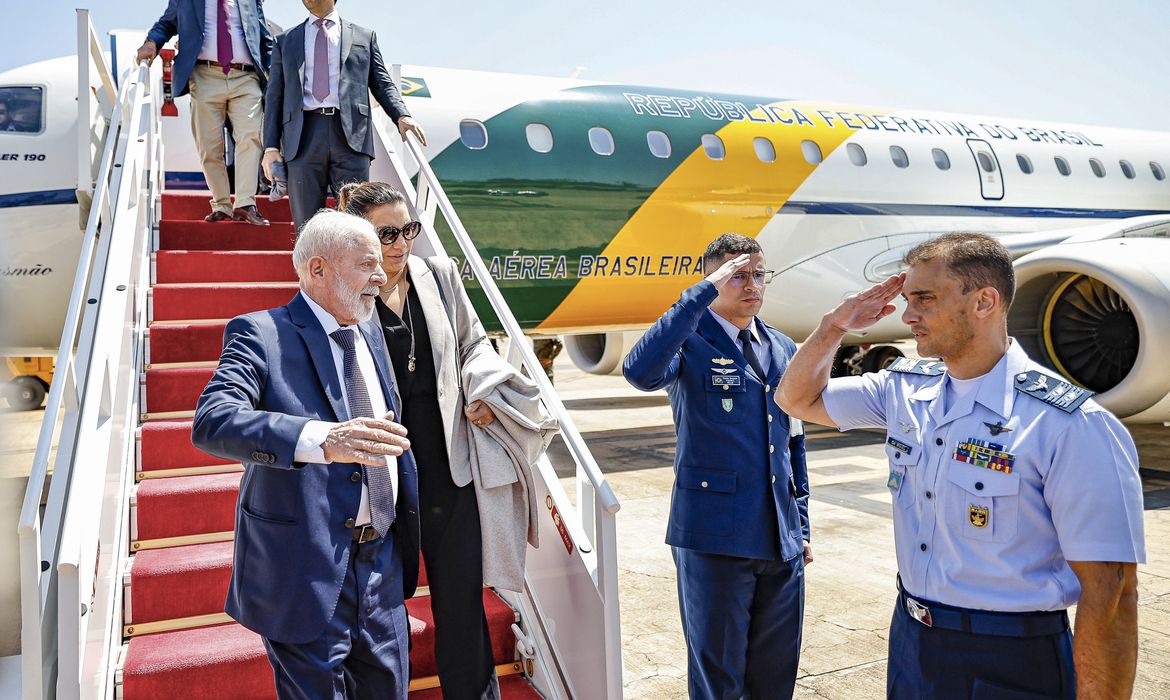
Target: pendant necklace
410,325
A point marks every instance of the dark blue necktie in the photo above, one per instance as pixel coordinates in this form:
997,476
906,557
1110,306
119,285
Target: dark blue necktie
377,478
749,354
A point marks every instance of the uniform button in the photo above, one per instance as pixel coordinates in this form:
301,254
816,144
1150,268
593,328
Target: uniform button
726,388
767,387
978,485
771,449
355,477
922,546
349,523
704,484
773,478
769,418
897,455
929,494
938,441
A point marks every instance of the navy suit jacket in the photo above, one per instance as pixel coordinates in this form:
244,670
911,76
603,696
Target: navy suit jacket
185,18
362,72
292,545
741,482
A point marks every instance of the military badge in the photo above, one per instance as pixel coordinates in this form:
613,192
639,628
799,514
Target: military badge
997,428
926,368
1054,392
728,404
979,515
981,453
723,370
894,483
723,361
906,427
725,382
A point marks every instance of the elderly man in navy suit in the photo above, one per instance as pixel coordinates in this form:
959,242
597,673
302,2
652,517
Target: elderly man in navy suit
327,534
224,50
739,526
319,120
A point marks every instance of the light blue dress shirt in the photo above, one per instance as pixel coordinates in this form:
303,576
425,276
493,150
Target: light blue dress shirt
763,350
986,538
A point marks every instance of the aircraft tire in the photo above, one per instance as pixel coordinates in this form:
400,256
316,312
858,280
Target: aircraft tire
25,393
880,357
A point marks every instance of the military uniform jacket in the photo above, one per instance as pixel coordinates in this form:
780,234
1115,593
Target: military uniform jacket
993,496
741,484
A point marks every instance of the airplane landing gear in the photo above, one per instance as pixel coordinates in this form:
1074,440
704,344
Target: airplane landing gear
853,360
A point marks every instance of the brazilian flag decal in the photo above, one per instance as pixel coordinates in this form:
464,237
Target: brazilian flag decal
415,87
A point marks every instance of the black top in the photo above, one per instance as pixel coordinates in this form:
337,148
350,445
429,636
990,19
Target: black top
419,391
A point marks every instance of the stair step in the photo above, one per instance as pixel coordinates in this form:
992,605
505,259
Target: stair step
175,389
511,688
224,235
204,661
184,505
193,206
179,302
166,444
186,342
178,266
176,582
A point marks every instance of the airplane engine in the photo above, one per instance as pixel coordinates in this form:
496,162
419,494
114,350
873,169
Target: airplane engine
1099,314
600,353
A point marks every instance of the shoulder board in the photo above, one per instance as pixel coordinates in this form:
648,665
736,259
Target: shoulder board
1055,392
927,368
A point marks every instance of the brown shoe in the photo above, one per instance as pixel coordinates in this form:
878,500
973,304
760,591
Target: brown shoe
249,215
218,215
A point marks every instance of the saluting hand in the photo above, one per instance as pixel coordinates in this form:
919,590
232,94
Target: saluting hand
729,268
366,441
864,309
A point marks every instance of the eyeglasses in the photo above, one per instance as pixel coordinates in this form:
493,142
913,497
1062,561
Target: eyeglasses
389,234
761,278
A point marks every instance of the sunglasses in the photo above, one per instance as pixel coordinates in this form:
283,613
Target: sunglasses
739,279
389,234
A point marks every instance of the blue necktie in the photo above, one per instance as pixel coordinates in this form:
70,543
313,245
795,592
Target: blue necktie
377,478
749,354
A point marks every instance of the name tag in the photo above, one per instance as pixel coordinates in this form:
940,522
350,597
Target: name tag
899,445
731,380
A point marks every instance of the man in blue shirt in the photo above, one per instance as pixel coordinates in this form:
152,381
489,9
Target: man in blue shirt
739,525
1014,496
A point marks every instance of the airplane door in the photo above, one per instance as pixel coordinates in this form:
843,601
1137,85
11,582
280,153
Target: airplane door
987,163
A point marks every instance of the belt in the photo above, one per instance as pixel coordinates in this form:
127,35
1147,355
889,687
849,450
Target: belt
365,533
996,624
238,66
327,111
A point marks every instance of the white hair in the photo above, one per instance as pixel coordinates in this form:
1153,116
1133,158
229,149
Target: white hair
328,232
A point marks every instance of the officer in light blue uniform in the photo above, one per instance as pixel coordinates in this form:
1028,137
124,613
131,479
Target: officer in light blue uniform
738,526
1001,475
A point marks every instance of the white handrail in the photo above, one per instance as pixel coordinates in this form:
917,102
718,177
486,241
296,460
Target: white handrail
39,537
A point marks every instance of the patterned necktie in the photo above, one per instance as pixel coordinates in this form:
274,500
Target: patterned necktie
749,354
223,36
377,478
321,61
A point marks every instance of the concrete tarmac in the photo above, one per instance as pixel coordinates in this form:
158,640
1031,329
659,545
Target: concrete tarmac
850,585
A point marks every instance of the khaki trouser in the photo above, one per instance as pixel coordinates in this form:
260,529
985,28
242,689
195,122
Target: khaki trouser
216,98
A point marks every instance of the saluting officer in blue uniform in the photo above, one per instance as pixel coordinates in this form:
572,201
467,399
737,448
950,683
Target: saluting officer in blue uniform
1014,496
739,525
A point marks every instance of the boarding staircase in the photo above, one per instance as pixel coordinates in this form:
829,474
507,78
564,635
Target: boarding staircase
126,556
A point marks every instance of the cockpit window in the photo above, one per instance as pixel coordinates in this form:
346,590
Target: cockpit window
22,109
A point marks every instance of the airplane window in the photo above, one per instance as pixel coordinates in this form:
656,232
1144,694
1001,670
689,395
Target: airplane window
941,159
898,155
601,141
856,154
811,151
985,162
659,144
1156,169
1025,164
713,145
22,109
1097,167
1062,166
765,151
473,134
539,137
1127,169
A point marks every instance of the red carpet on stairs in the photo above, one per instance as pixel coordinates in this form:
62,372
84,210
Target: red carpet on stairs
206,273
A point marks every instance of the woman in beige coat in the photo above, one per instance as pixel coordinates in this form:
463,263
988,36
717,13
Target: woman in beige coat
431,331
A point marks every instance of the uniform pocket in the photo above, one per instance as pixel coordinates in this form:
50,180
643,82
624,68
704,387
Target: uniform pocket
704,500
983,503
726,397
904,475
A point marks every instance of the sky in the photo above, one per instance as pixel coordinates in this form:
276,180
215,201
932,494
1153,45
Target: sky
1085,61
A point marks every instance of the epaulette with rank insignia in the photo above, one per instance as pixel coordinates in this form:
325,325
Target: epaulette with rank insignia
1055,392
927,368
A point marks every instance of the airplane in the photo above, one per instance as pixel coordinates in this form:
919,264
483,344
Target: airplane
591,204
